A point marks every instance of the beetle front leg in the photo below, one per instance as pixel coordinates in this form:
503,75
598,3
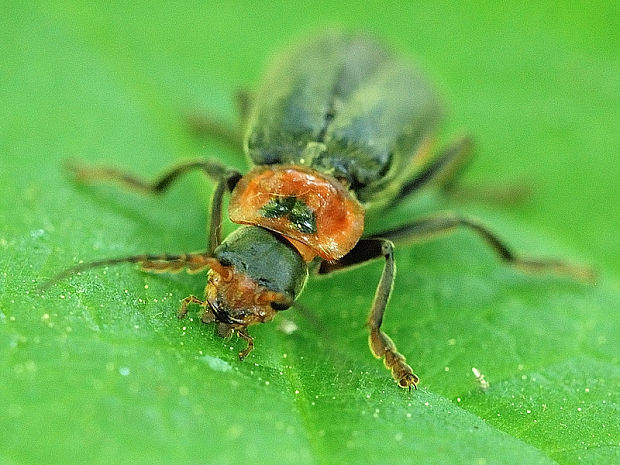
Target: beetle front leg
381,345
186,302
243,334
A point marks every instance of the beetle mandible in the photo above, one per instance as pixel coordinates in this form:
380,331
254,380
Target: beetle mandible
340,126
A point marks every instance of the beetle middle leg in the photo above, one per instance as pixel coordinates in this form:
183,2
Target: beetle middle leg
381,345
226,180
427,228
442,171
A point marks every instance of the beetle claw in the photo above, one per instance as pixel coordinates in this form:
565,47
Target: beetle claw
409,380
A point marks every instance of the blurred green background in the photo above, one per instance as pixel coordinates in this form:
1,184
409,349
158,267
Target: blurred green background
99,370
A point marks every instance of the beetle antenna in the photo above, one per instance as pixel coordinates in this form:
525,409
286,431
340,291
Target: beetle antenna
162,263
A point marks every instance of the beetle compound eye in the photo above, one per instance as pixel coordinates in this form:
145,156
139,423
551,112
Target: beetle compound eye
277,306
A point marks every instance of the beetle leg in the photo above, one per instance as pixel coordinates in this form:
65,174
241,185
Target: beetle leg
161,263
446,169
226,180
455,158
380,343
243,100
186,302
92,174
443,170
243,334
215,222
208,126
430,227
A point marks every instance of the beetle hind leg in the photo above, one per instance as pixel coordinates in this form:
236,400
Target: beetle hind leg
443,171
205,125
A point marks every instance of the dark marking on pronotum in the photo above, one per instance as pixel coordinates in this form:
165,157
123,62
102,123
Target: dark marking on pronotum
296,210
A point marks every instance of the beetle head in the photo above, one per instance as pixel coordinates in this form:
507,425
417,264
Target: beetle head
237,301
254,274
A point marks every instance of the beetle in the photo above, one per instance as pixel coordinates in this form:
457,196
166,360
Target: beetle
339,127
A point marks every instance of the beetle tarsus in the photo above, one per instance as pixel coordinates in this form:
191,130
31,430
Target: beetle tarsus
407,378
185,303
382,346
582,273
243,334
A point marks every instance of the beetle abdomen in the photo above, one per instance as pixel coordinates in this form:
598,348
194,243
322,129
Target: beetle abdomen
344,105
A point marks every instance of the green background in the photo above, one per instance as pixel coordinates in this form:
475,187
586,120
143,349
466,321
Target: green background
99,370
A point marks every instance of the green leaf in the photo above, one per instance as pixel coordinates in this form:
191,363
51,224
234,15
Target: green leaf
99,369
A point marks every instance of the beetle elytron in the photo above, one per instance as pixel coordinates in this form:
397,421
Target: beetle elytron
340,126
